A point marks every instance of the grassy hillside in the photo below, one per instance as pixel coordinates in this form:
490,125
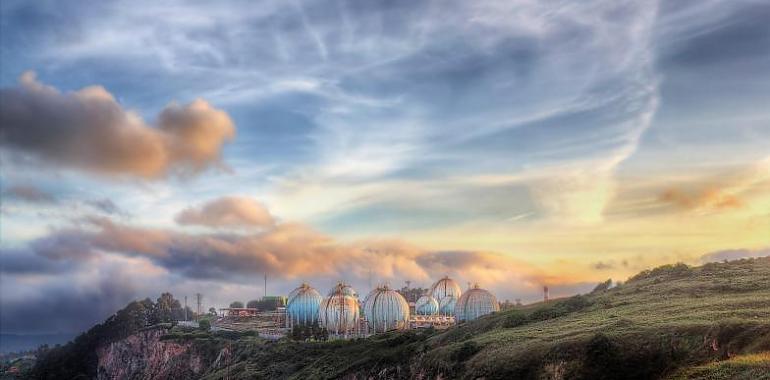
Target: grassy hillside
742,367
673,322
657,323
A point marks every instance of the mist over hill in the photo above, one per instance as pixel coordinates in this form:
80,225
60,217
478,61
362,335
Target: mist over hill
23,342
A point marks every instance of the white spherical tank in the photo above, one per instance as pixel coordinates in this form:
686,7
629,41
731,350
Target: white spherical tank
339,312
426,305
446,306
343,288
445,287
386,309
474,303
302,308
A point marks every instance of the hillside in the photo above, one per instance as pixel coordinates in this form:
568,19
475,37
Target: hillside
671,322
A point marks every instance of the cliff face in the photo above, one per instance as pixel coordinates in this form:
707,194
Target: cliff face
144,356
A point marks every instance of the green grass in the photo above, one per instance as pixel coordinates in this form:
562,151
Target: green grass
743,367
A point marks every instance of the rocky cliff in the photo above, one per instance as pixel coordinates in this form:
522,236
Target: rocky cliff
145,355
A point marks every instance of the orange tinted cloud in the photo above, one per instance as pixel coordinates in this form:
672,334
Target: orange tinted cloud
710,198
288,251
227,212
88,129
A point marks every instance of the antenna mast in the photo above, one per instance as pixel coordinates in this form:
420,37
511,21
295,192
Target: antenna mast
198,300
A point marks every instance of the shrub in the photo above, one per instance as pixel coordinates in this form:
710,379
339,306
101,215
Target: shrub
602,359
466,351
561,308
677,270
204,325
515,319
602,286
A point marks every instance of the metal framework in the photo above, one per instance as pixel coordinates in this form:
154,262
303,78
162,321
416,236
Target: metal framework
435,321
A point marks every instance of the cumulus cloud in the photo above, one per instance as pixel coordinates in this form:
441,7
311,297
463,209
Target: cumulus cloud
30,194
88,129
286,250
228,212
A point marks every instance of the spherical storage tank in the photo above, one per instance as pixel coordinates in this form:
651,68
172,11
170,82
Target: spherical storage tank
426,305
447,305
445,287
386,309
343,288
474,303
302,308
339,311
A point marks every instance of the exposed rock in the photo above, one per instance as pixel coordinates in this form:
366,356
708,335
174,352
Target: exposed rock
144,356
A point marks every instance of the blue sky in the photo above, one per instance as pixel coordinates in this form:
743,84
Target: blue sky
479,139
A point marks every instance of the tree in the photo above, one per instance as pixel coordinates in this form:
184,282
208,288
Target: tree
212,311
602,286
167,308
236,305
253,304
204,325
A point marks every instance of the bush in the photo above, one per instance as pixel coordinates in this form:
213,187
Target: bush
515,319
204,325
678,270
561,308
602,359
466,351
602,286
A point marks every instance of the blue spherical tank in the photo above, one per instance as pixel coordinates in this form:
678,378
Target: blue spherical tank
426,305
474,303
447,306
302,308
386,309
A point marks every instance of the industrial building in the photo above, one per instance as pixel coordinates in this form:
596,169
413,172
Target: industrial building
344,315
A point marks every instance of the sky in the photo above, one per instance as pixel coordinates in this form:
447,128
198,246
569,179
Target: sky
193,147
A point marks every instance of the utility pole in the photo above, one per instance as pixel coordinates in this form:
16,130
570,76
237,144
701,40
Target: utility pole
199,300
265,285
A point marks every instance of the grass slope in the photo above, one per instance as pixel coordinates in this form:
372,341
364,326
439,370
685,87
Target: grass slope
654,325
742,367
